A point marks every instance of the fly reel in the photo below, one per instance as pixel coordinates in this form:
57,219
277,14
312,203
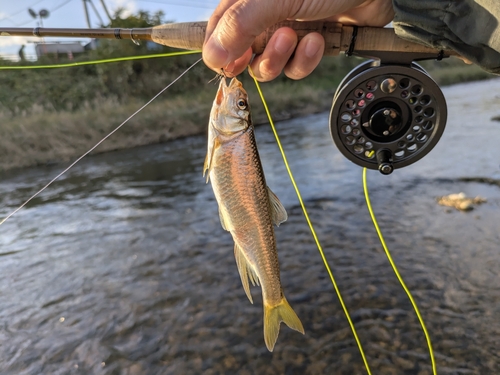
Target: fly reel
387,116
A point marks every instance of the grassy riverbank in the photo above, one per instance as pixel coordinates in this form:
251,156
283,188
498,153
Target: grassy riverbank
39,135
61,125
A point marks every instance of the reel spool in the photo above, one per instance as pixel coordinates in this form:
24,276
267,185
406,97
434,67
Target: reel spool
387,116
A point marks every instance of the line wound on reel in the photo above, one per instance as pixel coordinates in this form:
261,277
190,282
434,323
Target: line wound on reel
387,116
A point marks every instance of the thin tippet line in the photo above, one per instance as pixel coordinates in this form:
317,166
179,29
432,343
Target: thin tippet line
97,144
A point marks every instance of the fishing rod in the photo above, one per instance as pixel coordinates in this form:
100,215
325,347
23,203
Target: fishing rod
190,36
387,113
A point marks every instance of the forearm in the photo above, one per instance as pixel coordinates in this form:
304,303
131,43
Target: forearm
471,28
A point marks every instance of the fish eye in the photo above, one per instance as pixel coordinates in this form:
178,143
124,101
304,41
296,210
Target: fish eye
242,104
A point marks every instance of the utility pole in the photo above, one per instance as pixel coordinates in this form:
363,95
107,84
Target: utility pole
87,13
43,13
106,10
96,12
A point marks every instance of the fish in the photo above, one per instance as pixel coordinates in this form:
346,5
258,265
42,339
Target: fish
247,207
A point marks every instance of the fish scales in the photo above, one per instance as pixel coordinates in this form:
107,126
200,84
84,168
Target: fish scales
247,207
243,193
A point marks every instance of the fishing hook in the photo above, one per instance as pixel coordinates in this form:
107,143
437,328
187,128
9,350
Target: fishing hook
218,76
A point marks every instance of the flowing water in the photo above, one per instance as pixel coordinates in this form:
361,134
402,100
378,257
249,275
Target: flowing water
122,266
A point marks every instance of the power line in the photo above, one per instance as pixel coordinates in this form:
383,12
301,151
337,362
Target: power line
51,11
8,19
184,4
103,4
24,23
22,10
60,6
189,4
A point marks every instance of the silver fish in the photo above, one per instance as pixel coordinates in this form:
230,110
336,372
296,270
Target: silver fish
247,207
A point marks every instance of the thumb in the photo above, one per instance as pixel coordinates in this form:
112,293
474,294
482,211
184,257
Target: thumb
234,25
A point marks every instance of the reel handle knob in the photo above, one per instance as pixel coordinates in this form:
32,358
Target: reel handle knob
384,160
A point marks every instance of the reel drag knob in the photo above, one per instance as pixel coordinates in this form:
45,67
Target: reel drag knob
387,116
385,122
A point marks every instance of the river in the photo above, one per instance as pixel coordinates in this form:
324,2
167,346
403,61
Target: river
122,267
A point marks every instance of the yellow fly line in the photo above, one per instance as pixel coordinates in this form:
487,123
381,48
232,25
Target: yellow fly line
323,257
398,275
382,241
322,253
103,61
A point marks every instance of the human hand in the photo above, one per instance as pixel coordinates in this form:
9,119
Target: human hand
233,26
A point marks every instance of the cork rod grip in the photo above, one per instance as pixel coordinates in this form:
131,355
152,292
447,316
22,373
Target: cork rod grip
190,35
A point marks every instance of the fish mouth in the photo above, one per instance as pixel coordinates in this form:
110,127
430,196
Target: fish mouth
221,91
225,89
235,83
223,82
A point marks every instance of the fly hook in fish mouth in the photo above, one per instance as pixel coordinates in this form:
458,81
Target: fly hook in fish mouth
219,76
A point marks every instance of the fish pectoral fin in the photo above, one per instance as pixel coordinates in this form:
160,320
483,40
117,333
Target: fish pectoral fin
225,223
208,165
246,271
273,316
278,212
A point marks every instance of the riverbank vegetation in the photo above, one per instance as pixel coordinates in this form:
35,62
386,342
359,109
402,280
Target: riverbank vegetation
54,115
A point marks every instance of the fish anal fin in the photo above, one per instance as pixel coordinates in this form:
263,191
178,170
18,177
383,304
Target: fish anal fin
246,271
273,316
278,212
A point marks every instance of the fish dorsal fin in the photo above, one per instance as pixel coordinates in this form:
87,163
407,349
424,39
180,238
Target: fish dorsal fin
207,166
278,212
246,271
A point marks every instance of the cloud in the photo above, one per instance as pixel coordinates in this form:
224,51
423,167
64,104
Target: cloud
129,5
10,45
6,41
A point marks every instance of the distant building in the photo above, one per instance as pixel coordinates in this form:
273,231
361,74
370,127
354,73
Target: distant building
92,45
59,48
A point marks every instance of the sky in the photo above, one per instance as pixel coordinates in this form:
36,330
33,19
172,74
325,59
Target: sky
70,13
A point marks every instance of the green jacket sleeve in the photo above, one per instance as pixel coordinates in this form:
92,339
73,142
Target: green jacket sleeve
470,27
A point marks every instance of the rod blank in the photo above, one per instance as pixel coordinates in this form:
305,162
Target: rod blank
190,36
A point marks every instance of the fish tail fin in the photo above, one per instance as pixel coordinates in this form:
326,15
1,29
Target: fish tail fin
273,316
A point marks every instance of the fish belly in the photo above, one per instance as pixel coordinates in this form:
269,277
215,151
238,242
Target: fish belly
241,192
245,211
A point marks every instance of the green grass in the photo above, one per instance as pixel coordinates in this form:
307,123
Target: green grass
38,135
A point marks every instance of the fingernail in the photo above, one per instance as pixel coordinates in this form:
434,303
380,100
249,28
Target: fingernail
284,44
312,48
229,67
215,54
